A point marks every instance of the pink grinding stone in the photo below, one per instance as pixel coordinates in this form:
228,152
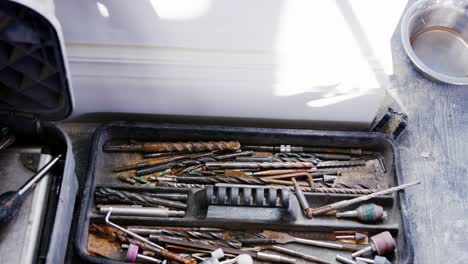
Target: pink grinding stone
132,253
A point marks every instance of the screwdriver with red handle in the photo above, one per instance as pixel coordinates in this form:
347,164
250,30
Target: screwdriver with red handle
10,202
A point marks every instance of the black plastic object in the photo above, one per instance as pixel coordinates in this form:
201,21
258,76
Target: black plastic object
34,89
247,196
33,79
118,132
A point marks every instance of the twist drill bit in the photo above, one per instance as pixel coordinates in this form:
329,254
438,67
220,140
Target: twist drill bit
354,191
114,236
190,161
224,179
206,241
304,157
174,146
294,149
262,165
108,195
148,163
341,163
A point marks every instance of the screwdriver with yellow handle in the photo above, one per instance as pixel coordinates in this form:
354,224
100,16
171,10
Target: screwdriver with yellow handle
10,202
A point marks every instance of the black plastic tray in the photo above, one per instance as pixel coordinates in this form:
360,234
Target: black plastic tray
99,174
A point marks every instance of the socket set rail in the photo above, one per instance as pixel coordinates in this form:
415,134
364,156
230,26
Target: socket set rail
184,194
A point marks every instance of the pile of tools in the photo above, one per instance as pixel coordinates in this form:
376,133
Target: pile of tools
191,245
197,164
226,173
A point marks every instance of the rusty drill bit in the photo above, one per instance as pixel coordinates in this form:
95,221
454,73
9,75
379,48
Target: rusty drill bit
299,149
174,146
345,203
190,161
114,236
224,179
108,195
262,165
355,191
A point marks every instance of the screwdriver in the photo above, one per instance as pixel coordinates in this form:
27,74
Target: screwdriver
10,202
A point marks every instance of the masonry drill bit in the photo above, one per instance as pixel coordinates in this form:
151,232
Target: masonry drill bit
174,146
346,203
262,165
354,191
107,195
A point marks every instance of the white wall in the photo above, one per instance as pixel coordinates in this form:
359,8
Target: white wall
265,59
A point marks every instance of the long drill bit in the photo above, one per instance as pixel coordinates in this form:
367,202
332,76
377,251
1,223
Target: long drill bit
224,179
345,203
174,146
262,165
289,148
108,195
355,191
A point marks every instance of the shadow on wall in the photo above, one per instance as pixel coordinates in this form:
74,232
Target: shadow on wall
263,59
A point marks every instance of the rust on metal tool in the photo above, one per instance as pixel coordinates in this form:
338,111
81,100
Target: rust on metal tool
174,146
355,191
262,165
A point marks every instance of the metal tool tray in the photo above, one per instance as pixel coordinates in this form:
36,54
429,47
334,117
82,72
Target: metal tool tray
100,174
34,92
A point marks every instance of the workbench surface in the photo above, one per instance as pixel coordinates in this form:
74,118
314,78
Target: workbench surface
434,149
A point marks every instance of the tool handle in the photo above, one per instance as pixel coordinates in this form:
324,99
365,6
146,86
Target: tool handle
255,241
176,257
10,203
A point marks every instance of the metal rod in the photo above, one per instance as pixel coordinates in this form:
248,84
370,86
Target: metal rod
141,211
38,176
296,253
344,260
155,247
